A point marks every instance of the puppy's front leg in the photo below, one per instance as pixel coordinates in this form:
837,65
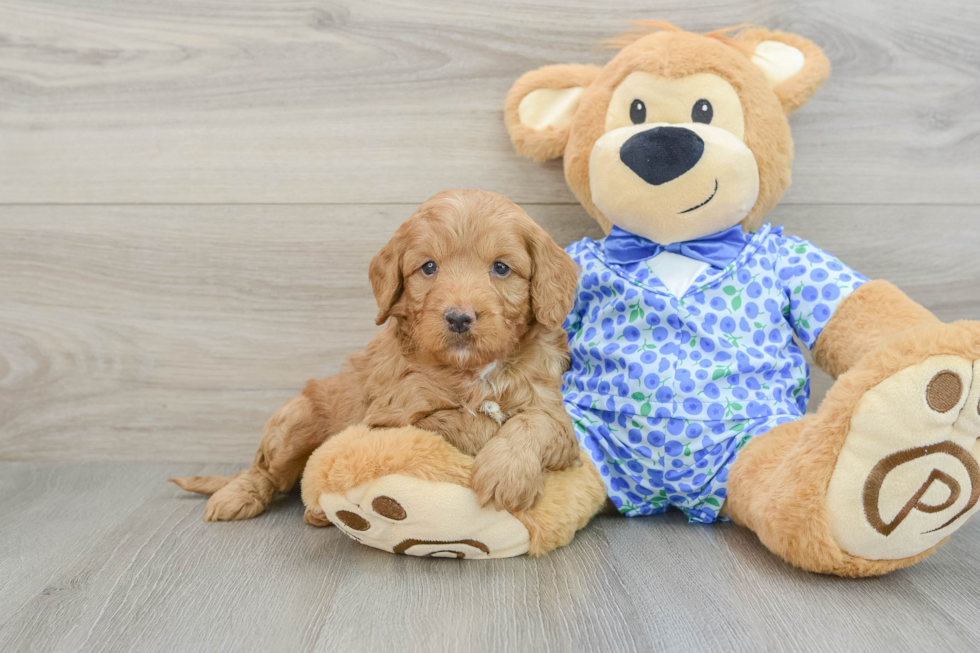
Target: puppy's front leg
405,402
510,470
463,428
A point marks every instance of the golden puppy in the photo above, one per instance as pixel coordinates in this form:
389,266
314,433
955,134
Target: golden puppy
474,351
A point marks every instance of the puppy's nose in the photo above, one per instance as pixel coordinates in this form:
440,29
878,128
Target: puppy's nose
459,318
661,154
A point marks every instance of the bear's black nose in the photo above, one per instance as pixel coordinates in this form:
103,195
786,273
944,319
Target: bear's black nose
663,153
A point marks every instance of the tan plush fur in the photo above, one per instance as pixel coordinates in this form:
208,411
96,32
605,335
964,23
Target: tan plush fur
673,53
360,455
549,143
779,482
418,372
874,314
795,91
778,485
571,498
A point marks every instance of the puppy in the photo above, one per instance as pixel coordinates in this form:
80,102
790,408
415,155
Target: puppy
474,294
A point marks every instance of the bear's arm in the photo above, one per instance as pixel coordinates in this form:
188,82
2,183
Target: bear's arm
873,314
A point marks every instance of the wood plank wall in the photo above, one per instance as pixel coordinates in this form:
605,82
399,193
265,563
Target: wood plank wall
190,190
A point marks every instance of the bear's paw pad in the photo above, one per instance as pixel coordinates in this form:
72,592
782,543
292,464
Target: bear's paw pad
907,475
403,514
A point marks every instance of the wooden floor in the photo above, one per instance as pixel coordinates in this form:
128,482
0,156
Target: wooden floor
105,557
190,193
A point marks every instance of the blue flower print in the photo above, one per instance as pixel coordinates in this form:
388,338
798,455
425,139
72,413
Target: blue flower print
664,391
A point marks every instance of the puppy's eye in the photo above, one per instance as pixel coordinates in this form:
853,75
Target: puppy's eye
429,268
638,112
501,269
702,112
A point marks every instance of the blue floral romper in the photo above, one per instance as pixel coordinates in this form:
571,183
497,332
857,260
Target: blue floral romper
664,391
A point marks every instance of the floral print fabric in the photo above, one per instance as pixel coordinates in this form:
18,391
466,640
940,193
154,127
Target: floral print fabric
664,391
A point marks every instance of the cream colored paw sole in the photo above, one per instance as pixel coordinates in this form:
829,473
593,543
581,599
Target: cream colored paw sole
403,514
907,476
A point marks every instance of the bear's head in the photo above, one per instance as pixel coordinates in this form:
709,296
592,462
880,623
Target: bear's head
681,135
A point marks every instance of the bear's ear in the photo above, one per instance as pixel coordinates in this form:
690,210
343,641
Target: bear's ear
540,106
794,66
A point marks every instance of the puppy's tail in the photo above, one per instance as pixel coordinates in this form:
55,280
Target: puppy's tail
202,484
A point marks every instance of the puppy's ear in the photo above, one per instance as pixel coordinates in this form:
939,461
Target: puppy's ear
540,107
554,277
795,67
386,277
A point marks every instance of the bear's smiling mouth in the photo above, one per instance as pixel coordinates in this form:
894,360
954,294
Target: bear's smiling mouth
711,197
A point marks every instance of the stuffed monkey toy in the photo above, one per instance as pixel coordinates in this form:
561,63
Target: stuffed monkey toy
687,387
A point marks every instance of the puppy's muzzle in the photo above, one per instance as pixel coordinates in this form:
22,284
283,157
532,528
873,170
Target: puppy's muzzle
662,154
459,319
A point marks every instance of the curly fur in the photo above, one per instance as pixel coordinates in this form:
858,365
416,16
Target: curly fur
418,372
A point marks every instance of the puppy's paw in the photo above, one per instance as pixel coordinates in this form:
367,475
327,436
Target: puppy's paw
508,476
245,497
316,517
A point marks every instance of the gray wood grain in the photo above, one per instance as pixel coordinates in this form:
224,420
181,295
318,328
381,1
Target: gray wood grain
174,332
190,192
118,560
375,101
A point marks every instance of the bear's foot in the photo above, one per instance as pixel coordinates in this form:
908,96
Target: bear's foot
907,475
406,491
403,514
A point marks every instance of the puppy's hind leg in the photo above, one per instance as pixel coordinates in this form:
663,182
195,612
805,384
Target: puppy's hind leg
289,438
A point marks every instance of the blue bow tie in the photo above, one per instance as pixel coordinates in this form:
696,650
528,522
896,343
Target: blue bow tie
718,250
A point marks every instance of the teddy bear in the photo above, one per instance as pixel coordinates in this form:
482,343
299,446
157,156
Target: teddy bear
686,385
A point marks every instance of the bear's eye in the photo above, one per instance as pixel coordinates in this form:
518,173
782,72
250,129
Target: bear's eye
429,268
638,112
500,269
702,112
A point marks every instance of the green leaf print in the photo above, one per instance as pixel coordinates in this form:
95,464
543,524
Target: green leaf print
634,314
712,502
718,373
736,405
645,409
737,303
758,325
800,384
739,427
732,338
729,290
638,396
